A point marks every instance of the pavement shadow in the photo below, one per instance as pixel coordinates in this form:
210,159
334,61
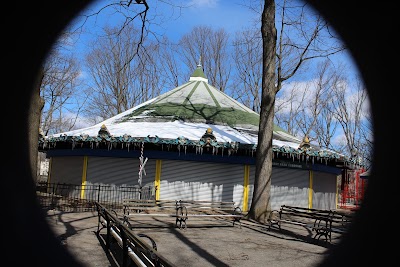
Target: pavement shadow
136,225
300,234
69,229
196,248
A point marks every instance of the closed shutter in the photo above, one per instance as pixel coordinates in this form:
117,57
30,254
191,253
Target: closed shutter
118,171
288,186
192,180
324,190
66,170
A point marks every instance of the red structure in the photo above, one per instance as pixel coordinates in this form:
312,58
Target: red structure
352,188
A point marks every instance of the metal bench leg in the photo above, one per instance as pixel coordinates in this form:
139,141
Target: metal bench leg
237,220
181,216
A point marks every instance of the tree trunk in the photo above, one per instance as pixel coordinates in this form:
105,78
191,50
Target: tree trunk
35,111
261,206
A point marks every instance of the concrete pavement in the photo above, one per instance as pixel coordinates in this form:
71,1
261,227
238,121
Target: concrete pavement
205,242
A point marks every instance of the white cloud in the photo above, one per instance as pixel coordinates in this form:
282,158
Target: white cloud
203,3
293,93
340,138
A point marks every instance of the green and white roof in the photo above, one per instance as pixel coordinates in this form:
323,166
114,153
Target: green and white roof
182,116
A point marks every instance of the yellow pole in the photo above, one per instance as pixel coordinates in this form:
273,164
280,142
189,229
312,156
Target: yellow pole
49,174
84,174
337,193
158,178
310,191
246,187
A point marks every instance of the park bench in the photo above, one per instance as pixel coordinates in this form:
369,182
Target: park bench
147,206
134,246
316,220
181,210
340,221
216,209
151,207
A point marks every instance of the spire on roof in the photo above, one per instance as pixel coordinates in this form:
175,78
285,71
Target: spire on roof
305,144
198,74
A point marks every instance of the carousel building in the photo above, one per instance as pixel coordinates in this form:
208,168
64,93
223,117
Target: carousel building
194,143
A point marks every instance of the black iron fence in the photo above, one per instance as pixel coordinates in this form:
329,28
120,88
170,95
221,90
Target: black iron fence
72,197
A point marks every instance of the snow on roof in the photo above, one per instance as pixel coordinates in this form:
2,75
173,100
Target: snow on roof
186,113
168,130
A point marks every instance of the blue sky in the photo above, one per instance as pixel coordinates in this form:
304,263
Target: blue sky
232,15
174,22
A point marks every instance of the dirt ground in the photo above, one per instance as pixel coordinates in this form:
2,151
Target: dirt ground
205,242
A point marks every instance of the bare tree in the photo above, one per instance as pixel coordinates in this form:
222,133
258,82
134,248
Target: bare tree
139,55
35,109
148,68
327,105
171,69
326,125
219,62
247,57
210,47
122,78
54,108
129,10
317,101
283,57
325,129
290,105
58,88
365,149
349,109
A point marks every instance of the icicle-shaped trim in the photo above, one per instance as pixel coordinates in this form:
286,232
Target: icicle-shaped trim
124,142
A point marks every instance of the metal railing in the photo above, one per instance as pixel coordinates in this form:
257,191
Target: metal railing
135,251
72,197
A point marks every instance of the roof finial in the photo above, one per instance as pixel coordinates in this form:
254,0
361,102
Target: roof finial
198,74
305,144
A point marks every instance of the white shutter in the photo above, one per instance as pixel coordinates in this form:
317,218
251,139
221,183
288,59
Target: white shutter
118,171
288,186
192,180
324,190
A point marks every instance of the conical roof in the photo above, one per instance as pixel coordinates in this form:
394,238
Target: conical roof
194,114
188,111
195,101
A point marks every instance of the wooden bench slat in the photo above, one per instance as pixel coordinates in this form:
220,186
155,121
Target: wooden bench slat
323,222
182,209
